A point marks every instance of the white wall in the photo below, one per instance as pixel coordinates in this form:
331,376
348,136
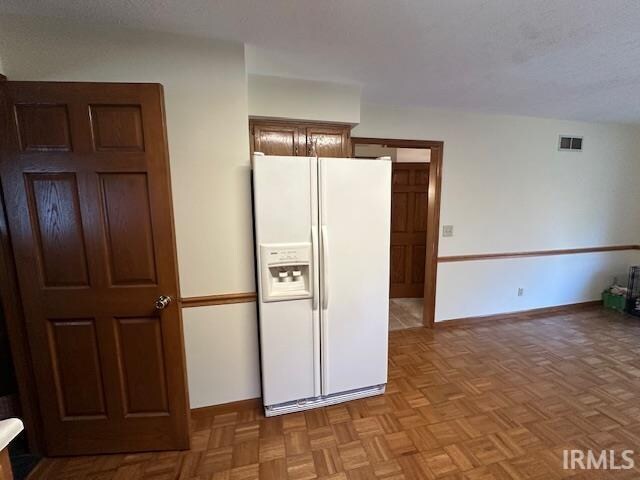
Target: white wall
222,353
484,287
303,99
506,188
413,155
402,155
206,108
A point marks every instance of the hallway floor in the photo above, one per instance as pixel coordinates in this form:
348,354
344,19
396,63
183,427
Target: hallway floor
405,313
500,400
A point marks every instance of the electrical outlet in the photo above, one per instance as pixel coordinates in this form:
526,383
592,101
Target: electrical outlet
447,230
520,291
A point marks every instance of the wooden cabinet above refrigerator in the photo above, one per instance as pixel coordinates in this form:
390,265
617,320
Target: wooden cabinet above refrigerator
283,137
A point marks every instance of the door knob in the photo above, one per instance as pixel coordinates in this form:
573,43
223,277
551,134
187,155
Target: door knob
162,302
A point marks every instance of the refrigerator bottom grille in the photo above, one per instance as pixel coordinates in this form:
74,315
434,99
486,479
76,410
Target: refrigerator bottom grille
316,402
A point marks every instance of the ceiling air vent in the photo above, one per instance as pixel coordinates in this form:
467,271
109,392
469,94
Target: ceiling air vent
570,144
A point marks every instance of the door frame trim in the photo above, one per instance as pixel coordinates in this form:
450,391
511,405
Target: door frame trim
14,313
433,213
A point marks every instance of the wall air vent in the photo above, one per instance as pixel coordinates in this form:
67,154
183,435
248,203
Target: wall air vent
570,144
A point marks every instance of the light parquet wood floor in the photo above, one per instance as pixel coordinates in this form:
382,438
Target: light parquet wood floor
405,313
499,400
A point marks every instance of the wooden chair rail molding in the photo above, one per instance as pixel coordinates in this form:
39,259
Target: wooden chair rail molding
248,297
535,253
224,299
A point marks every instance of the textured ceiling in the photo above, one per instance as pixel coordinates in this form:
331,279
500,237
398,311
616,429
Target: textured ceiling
574,59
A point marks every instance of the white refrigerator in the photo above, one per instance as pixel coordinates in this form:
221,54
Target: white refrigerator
322,231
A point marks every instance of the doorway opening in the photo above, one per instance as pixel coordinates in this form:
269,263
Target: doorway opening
415,212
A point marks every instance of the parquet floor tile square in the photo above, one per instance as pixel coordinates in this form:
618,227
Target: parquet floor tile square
377,449
530,467
301,467
273,469
247,472
484,450
245,453
322,437
337,476
495,401
389,470
400,443
439,462
447,433
368,427
271,448
327,461
489,472
364,472
353,455
423,439
297,442
246,431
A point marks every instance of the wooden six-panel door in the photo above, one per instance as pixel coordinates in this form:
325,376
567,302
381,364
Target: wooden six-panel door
85,179
409,201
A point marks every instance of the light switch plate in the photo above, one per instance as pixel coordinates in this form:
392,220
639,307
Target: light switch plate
447,230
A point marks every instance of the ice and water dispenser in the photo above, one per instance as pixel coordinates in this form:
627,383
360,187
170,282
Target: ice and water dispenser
286,271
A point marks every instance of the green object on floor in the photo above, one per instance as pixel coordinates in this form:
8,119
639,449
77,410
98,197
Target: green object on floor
614,302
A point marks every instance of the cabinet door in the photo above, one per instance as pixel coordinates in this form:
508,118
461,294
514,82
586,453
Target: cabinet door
272,139
330,141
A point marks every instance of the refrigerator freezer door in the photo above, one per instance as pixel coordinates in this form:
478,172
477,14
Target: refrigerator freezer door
355,203
285,212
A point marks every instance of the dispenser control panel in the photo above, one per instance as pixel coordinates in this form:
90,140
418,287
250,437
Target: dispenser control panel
286,271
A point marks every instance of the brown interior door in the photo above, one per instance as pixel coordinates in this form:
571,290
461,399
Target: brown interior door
329,141
409,200
278,140
85,178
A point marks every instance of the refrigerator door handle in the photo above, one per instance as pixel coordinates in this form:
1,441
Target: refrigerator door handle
315,279
325,273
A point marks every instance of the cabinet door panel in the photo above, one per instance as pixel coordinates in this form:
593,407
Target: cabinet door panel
329,141
277,140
